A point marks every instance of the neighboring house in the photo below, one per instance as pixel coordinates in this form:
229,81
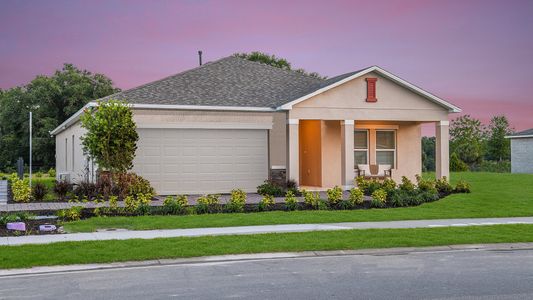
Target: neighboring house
233,123
522,151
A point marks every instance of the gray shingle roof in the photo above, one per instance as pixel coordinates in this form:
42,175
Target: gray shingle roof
230,81
522,133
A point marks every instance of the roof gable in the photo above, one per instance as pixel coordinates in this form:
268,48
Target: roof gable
341,79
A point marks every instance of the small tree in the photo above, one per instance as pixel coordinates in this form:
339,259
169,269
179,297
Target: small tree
111,138
498,147
467,139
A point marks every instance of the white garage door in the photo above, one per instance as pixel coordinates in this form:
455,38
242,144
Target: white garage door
198,161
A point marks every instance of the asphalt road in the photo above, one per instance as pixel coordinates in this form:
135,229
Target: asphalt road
430,275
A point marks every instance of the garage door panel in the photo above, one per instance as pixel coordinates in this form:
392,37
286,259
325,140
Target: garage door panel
196,161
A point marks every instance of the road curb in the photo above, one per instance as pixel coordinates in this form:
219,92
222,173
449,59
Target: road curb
261,256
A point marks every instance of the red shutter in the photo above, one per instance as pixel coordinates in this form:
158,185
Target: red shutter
371,90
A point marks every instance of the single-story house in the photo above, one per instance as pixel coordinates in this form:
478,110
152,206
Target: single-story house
233,123
522,151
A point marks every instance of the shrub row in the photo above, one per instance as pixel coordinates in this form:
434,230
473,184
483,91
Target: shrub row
120,185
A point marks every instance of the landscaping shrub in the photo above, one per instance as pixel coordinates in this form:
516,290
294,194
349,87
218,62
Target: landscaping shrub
85,189
52,173
379,198
406,184
334,196
361,183
270,188
62,188
388,184
208,204
290,201
311,199
39,191
443,187
345,205
266,203
172,207
20,189
373,185
356,197
462,187
427,196
237,201
140,185
293,186
425,184
70,214
39,174
399,198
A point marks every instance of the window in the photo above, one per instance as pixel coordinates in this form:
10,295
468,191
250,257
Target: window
386,147
360,147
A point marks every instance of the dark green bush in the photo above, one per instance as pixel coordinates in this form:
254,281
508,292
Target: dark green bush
456,164
270,188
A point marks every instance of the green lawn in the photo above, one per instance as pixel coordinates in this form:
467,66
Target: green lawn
493,195
131,250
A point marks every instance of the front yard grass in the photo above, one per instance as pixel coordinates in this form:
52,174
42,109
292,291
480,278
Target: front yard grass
65,253
493,195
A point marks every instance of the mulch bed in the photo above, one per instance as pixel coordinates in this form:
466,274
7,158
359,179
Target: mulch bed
32,228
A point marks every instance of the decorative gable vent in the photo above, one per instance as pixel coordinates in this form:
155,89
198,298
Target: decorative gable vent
371,90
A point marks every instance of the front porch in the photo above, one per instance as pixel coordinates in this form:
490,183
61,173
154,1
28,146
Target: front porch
325,153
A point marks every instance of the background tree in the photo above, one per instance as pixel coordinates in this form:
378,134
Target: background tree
274,61
467,137
498,147
52,100
111,137
428,153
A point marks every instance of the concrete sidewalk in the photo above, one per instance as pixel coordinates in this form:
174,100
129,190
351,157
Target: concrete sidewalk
195,232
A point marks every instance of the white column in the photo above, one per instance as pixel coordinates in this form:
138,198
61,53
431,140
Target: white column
442,149
293,164
347,158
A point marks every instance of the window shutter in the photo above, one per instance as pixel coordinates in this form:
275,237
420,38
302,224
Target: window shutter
371,90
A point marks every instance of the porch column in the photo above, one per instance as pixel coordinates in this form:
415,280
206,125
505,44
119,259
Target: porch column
442,149
293,164
347,158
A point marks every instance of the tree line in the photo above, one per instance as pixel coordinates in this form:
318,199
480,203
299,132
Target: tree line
474,146
52,99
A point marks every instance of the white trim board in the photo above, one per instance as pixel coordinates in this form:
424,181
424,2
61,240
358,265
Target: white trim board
518,136
75,117
206,125
412,87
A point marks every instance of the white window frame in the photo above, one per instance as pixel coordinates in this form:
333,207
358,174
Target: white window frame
388,150
367,145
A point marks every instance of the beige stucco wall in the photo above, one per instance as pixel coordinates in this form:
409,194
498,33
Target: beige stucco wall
348,102
278,140
331,153
65,162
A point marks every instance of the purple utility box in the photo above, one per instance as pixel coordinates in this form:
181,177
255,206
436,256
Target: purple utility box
47,227
20,226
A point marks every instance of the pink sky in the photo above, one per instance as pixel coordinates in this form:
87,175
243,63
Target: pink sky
476,54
